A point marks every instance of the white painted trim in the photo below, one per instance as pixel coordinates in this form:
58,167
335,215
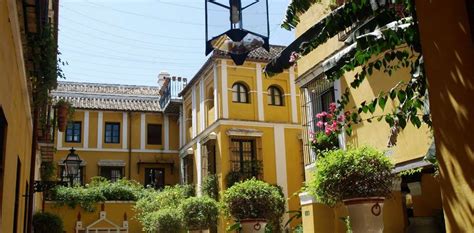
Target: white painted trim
100,131
166,127
294,111
306,199
60,139
261,116
337,95
194,111
119,150
202,105
280,158
142,131
124,130
85,143
216,106
225,93
235,123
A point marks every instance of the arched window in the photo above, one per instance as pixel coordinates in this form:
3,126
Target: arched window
275,96
240,93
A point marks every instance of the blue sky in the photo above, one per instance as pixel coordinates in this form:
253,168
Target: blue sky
131,41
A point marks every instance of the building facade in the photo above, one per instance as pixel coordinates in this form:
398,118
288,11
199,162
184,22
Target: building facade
21,24
238,122
120,131
415,202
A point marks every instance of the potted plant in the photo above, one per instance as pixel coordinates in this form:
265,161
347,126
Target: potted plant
47,223
360,178
252,203
199,213
64,113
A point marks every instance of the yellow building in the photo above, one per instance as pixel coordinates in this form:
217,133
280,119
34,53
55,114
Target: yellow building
236,118
416,200
19,156
120,131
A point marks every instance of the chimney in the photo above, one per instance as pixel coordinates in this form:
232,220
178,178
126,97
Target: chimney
161,77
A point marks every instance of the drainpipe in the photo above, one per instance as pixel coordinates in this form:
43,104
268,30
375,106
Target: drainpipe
129,145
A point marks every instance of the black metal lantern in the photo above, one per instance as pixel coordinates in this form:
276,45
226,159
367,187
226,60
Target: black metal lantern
237,27
72,165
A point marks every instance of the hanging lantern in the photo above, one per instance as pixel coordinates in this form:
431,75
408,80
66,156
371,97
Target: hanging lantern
72,164
237,27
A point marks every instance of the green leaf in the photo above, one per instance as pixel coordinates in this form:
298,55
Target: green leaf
379,118
393,93
402,121
415,120
382,102
372,106
401,96
389,119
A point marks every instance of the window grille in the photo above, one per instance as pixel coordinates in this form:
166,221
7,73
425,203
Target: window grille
244,158
317,95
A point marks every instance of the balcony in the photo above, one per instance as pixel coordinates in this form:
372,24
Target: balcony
170,101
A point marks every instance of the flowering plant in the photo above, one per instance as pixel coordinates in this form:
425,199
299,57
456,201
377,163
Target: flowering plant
330,124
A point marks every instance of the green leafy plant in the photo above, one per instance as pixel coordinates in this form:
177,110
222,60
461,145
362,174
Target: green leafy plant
210,186
154,208
99,190
248,170
47,223
253,199
199,213
355,173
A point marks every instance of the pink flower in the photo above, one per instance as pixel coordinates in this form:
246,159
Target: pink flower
332,107
329,116
334,125
328,132
341,118
320,124
321,115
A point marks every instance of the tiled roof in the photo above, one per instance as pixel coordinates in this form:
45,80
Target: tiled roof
109,96
258,54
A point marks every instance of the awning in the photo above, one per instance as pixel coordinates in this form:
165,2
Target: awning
241,132
111,163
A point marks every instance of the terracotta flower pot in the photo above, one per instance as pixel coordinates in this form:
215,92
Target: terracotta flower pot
366,214
253,225
62,117
198,231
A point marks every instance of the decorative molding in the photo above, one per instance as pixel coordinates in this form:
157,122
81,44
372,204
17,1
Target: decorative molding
261,116
119,150
225,93
142,131
294,111
100,131
236,132
124,130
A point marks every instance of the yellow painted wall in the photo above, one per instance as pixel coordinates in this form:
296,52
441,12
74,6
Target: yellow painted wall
79,117
412,142
115,212
429,202
14,101
247,75
135,161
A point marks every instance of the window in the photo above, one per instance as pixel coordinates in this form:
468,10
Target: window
155,178
244,158
111,173
78,180
240,93
275,96
73,132
112,132
154,134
